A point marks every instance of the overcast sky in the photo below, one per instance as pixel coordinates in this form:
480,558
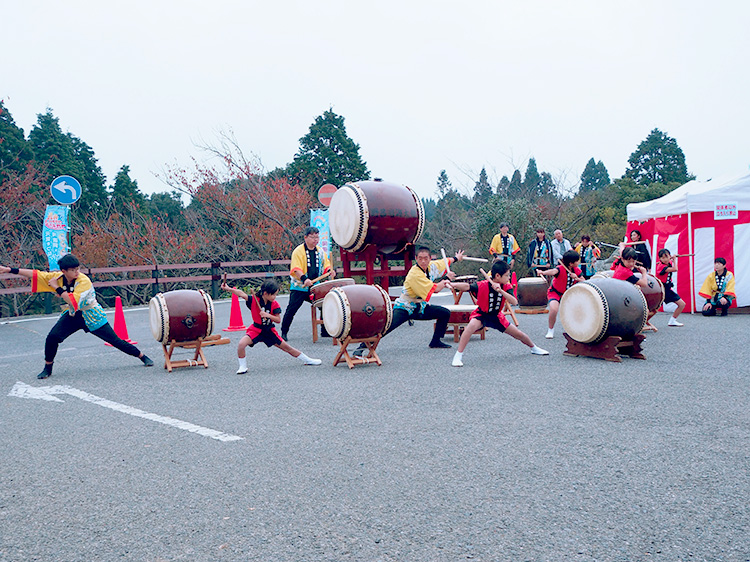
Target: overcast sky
423,85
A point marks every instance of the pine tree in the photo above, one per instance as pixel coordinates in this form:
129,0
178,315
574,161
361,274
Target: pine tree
531,180
594,176
658,159
443,184
15,152
515,187
482,189
327,155
125,191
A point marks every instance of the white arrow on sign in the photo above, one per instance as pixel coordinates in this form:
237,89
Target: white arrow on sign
22,390
65,188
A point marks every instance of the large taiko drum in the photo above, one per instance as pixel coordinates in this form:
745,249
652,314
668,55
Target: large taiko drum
181,316
653,291
532,292
359,311
591,311
319,291
387,215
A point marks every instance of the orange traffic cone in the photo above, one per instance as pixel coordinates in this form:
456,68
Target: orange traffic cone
120,328
235,317
513,282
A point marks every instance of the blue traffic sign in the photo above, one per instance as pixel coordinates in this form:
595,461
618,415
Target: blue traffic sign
66,190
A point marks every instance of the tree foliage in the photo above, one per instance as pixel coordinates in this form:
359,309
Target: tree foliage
594,176
482,188
327,155
658,159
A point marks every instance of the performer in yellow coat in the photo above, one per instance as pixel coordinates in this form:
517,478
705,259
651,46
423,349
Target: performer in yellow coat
81,310
504,245
718,289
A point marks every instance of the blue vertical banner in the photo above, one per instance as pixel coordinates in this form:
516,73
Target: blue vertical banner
55,234
319,219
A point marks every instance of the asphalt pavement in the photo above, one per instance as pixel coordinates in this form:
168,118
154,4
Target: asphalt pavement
512,457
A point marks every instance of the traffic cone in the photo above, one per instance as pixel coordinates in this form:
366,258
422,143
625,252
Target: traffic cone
235,317
513,282
120,328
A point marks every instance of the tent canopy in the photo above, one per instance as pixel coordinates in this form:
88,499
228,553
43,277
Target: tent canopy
695,196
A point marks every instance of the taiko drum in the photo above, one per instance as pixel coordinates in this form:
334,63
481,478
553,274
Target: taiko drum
357,311
181,316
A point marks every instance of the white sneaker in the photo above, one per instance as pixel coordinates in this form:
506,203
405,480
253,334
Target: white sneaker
550,333
673,322
539,351
457,361
242,370
311,361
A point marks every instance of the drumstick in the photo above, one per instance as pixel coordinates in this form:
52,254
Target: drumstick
682,255
447,263
605,244
321,277
480,260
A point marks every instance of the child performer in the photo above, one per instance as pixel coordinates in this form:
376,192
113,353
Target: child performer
718,289
625,267
564,276
265,312
491,297
664,273
82,311
589,254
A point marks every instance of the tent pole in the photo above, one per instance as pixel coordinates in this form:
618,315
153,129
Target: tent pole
691,266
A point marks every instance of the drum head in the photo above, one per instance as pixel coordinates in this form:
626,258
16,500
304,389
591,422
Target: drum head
336,316
349,217
584,313
159,316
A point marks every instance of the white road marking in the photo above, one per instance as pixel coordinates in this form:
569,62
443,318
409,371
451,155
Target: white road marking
22,390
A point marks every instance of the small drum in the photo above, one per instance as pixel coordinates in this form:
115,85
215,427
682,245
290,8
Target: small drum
460,313
181,316
466,279
357,311
532,292
387,215
654,292
591,311
319,291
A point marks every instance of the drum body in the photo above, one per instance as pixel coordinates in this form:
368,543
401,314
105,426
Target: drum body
604,274
318,292
181,316
386,215
460,313
357,311
653,291
532,292
591,311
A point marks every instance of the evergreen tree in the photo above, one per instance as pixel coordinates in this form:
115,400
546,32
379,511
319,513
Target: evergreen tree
515,187
125,191
482,189
594,176
15,152
65,154
168,207
531,180
502,186
327,155
658,159
443,184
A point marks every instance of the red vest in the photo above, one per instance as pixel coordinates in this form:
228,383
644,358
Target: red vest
490,301
560,281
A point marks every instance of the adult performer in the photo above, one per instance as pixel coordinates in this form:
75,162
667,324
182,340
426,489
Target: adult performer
504,246
560,245
589,254
424,279
540,251
308,262
82,311
718,289
491,296
641,248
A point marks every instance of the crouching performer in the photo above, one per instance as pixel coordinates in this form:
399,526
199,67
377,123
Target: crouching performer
491,297
82,311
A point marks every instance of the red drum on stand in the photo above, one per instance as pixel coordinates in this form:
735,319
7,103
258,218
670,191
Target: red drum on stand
181,316
387,215
357,311
319,291
653,291
460,313
591,311
532,292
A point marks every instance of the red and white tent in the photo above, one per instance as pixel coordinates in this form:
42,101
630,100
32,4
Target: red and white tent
710,219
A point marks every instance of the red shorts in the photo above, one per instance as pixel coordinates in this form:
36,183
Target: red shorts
269,337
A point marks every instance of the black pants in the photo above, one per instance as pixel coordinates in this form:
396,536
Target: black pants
69,324
296,300
431,312
714,308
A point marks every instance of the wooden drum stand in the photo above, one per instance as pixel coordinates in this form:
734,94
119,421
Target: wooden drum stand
609,349
371,357
199,359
